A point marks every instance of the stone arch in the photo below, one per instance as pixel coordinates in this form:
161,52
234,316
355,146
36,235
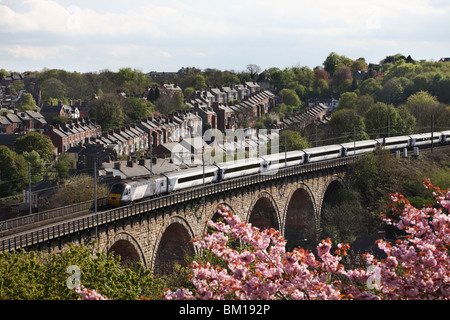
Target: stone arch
127,247
264,212
300,219
334,208
333,185
173,245
336,179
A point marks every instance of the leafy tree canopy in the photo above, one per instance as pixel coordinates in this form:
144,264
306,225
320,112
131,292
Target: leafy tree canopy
38,142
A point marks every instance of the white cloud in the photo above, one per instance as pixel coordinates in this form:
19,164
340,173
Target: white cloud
36,53
176,31
41,15
163,54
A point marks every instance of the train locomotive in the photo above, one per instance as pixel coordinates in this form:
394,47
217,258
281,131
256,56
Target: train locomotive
131,190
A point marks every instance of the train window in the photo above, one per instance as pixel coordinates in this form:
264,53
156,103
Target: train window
395,142
294,158
117,188
325,153
192,178
361,147
252,166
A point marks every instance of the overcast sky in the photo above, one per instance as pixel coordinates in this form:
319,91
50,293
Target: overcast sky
165,35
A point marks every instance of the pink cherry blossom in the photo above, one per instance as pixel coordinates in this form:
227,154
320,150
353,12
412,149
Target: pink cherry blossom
89,294
416,267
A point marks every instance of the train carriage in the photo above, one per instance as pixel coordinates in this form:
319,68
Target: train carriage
323,153
191,177
358,147
393,143
425,139
274,162
239,168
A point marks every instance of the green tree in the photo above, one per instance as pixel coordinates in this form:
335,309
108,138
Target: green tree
343,219
38,142
294,141
39,276
401,69
268,121
334,61
3,73
37,165
321,88
138,109
440,89
342,80
126,74
392,92
62,166
28,103
422,106
408,121
276,78
108,111
371,87
381,117
283,110
199,82
53,88
342,125
188,92
167,104
359,64
13,172
347,100
157,93
290,97
363,103
56,101
151,95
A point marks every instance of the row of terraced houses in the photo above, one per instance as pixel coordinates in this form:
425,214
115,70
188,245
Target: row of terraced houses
207,106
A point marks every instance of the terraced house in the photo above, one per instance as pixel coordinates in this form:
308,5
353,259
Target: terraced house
72,133
21,122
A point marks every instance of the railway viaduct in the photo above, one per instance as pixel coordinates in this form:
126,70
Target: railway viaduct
157,232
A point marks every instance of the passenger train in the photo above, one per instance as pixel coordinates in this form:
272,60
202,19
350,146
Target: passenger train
131,190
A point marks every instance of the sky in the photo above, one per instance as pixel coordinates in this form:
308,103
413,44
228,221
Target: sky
93,35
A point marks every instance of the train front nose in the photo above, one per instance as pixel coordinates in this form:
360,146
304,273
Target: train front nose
114,199
115,194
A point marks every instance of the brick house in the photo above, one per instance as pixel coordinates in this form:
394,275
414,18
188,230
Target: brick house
21,122
60,110
226,117
72,133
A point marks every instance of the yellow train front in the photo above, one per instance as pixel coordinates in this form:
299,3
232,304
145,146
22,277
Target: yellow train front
119,194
